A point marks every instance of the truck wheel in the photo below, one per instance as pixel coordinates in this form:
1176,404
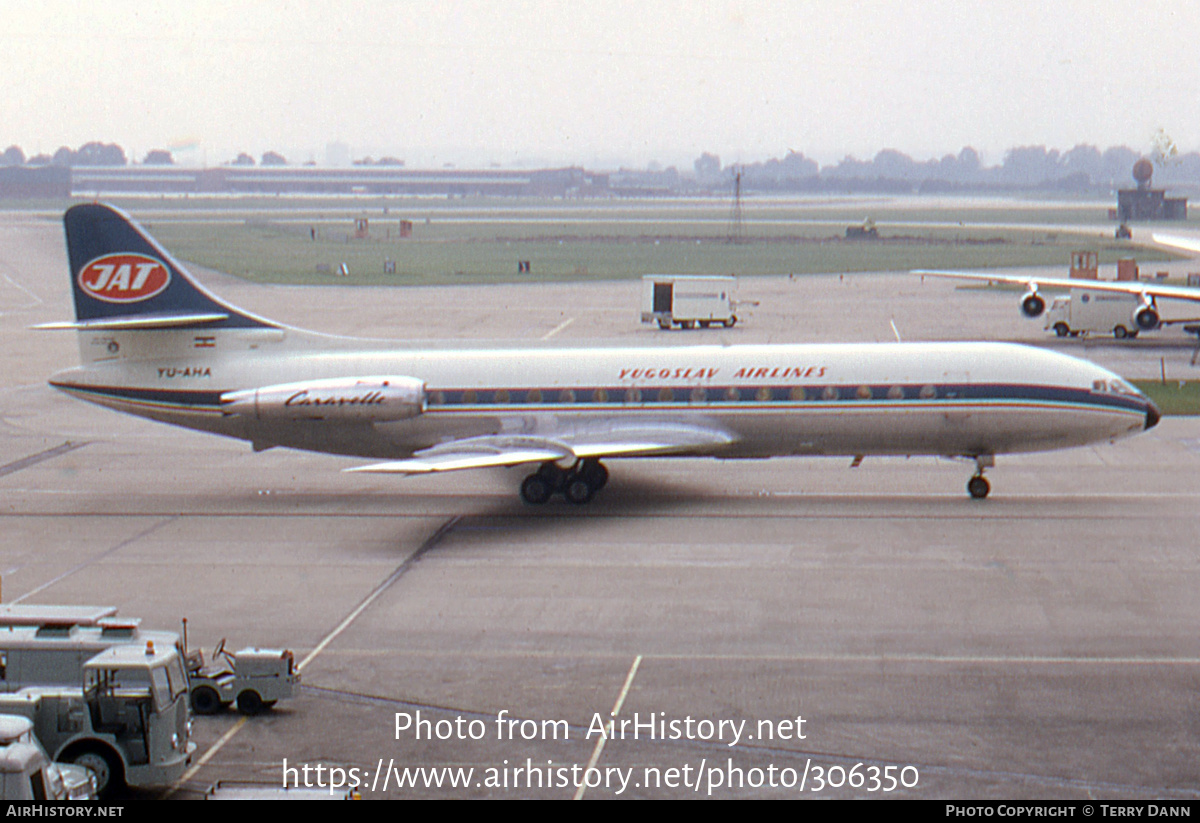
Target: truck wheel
1120,332
205,700
704,324
104,764
729,324
665,325
248,702
1062,329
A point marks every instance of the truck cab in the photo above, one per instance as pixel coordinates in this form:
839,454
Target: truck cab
126,718
26,772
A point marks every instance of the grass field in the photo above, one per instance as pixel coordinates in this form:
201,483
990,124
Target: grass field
847,209
481,240
478,241
1175,397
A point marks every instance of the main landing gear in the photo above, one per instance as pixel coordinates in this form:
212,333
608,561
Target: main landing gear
977,486
578,484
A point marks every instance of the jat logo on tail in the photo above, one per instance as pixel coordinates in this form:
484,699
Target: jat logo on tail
124,278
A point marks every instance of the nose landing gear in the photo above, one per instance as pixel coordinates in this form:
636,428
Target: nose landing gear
578,484
978,486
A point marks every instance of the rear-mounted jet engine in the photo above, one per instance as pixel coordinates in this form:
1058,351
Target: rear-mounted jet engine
347,398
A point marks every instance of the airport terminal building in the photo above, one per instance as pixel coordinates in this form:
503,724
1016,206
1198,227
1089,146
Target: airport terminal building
359,180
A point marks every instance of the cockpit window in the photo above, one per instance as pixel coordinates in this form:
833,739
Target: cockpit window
1115,386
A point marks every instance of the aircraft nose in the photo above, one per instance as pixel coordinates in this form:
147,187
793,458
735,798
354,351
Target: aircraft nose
1152,415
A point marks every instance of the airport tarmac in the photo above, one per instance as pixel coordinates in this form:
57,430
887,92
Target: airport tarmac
1040,644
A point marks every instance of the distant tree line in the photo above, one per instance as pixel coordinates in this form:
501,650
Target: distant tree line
110,154
89,154
382,161
1081,169
270,158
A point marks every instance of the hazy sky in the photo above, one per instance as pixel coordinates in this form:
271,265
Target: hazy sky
597,83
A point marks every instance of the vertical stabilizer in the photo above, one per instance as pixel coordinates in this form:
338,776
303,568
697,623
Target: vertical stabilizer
122,278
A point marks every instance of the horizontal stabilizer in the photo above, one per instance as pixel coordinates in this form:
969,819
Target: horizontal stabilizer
140,321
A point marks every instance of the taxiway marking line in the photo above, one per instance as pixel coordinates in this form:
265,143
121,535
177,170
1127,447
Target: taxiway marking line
799,657
558,328
216,747
637,661
80,566
37,301
34,459
370,598
399,572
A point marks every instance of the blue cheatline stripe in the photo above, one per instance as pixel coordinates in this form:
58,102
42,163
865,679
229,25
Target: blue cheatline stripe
726,396
848,397
166,398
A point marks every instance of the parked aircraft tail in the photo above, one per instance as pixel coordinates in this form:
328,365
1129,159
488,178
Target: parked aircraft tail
123,279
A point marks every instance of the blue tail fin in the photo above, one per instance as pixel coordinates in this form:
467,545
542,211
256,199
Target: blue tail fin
122,278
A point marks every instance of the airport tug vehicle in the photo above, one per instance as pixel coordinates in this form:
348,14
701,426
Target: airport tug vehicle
255,679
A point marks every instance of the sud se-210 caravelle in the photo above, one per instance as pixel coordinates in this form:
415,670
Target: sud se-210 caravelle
155,343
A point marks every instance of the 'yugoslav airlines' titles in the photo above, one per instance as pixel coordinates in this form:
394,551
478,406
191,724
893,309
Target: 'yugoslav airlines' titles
762,373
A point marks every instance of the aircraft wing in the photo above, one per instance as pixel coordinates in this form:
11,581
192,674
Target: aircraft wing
1144,290
1138,288
1187,244
513,450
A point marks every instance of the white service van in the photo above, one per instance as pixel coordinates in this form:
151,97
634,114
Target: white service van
1090,312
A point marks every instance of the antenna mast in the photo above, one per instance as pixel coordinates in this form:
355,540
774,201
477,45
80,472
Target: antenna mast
736,232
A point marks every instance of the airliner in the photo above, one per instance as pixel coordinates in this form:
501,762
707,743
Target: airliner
155,343
1145,315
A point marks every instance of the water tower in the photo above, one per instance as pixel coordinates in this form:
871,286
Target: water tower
1143,170
1145,203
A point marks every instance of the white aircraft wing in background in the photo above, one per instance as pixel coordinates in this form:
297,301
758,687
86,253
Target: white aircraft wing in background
1145,317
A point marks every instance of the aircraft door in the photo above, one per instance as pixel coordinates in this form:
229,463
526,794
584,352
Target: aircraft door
664,297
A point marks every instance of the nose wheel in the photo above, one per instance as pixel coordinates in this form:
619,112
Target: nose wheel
578,484
978,486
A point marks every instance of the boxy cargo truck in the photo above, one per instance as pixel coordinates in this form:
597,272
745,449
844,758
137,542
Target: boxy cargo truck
689,300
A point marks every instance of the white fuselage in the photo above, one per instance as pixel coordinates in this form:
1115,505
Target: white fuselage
759,401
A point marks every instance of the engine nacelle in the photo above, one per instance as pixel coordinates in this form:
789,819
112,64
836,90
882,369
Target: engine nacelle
371,399
1146,317
1032,304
